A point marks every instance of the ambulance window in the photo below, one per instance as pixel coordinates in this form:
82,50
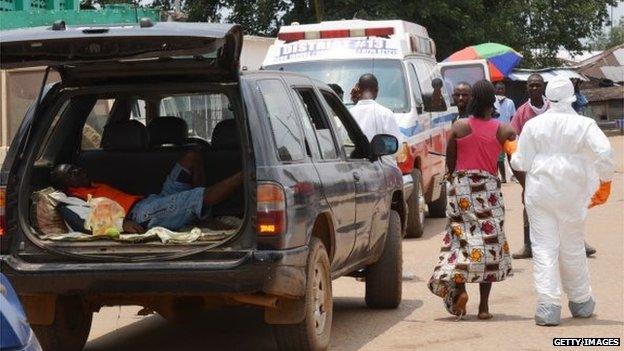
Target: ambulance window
411,70
425,75
282,119
320,123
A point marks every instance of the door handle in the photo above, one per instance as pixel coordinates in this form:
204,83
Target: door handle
356,176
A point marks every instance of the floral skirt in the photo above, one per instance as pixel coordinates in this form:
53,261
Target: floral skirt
474,247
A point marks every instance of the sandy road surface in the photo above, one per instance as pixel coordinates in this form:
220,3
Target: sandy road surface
421,321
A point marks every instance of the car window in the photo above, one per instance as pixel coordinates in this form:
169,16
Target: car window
345,127
320,123
312,146
282,118
94,126
202,112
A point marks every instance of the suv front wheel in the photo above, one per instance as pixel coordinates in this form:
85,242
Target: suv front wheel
416,208
314,331
384,282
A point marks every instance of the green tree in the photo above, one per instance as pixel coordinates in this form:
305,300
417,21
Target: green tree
610,38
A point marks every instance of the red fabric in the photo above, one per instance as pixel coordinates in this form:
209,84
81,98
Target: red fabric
103,190
480,149
495,74
523,115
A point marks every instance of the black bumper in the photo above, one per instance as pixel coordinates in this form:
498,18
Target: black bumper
279,272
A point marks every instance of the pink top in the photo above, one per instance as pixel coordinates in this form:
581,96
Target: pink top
524,114
480,149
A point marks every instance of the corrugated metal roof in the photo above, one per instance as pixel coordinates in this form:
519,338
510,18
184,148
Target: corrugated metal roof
548,74
602,94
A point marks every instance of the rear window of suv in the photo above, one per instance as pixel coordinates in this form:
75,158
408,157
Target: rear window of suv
283,120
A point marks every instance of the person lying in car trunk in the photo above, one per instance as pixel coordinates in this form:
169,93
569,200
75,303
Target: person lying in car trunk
183,197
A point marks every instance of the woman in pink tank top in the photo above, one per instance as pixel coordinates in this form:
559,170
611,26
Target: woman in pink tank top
474,248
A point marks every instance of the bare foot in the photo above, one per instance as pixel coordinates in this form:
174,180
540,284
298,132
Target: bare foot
460,304
484,313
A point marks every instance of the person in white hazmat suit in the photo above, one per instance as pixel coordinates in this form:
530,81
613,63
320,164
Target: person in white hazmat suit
567,159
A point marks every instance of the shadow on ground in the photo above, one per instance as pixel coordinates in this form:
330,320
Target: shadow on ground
243,329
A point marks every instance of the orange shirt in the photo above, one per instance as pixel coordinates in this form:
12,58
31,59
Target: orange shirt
103,190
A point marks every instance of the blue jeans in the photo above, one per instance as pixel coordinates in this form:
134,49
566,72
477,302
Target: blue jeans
177,205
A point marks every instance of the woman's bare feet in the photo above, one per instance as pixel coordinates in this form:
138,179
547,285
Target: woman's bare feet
484,312
460,304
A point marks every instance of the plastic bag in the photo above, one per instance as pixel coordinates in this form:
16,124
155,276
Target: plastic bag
106,217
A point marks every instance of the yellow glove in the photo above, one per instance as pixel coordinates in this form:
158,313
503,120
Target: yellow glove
510,146
601,195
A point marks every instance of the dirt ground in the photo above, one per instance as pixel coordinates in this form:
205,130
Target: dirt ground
421,321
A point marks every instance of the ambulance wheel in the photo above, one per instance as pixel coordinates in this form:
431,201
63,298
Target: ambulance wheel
416,208
437,208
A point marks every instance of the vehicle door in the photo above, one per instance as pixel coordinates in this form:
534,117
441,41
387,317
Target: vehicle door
370,191
336,175
436,100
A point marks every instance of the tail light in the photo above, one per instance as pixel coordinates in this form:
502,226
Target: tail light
379,32
288,37
271,209
337,33
2,211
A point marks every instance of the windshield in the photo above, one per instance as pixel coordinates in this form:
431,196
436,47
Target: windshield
389,73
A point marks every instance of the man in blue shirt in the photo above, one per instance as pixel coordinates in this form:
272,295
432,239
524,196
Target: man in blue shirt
506,109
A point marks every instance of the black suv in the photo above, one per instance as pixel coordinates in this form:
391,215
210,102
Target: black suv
318,201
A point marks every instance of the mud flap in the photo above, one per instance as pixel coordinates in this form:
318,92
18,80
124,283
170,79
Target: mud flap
39,308
288,311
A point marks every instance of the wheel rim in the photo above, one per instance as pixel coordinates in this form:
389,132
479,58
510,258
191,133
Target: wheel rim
421,206
321,301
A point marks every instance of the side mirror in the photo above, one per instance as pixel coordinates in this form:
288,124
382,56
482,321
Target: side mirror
435,102
384,144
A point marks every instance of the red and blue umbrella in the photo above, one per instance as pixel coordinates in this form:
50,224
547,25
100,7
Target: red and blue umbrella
501,59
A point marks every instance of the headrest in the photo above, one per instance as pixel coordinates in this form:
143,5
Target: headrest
167,130
124,136
225,135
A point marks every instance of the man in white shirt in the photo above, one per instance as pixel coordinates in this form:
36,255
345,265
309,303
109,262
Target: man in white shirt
372,117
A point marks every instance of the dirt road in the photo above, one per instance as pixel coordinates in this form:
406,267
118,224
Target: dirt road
421,321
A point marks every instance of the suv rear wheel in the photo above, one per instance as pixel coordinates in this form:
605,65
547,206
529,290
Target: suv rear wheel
71,326
416,208
384,282
314,331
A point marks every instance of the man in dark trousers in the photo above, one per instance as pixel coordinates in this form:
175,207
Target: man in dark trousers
536,105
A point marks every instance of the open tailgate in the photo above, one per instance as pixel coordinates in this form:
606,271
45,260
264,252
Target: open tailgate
198,47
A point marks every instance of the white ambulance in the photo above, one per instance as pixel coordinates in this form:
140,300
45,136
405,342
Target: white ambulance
402,57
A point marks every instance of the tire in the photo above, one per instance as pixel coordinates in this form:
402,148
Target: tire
71,326
384,283
437,209
311,334
415,210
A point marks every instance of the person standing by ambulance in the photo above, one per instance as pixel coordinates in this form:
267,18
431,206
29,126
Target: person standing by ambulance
372,117
564,156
